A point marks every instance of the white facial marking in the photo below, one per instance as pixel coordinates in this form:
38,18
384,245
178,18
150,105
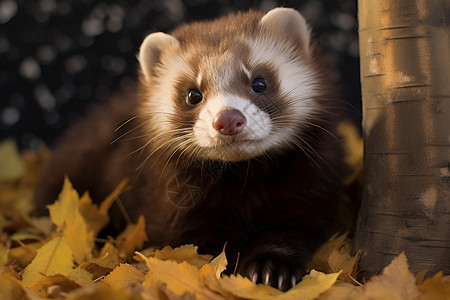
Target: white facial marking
161,103
246,71
297,80
199,79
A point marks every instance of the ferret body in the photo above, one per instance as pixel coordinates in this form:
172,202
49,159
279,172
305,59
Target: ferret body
229,139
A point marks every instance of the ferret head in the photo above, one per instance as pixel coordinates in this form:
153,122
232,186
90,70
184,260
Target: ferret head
231,89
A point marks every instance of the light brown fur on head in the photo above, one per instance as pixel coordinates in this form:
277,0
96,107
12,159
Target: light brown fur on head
219,60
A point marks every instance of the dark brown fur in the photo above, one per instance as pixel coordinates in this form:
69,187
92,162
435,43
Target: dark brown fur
275,210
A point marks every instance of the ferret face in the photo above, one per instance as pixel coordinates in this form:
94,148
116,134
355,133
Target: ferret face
231,89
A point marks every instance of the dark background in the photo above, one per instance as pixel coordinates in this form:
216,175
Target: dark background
57,57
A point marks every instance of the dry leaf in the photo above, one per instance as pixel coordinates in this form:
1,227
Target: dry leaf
242,287
80,275
91,214
4,255
334,256
11,288
435,288
65,214
108,258
396,282
187,253
97,217
353,149
95,269
343,291
24,254
180,278
320,258
52,258
13,166
219,264
135,240
98,292
311,286
123,276
63,283
340,259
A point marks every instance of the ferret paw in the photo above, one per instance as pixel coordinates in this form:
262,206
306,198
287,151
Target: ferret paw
280,275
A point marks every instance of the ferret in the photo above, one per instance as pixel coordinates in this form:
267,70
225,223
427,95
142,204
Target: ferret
229,138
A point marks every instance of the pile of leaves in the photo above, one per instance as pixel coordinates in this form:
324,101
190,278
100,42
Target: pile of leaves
60,256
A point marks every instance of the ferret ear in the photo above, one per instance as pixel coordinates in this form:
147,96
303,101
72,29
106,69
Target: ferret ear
151,50
288,22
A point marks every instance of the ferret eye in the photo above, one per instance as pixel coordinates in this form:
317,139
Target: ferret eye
259,86
194,97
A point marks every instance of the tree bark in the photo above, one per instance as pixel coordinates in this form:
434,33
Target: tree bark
405,77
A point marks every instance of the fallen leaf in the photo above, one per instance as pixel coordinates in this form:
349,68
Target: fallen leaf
65,214
4,255
123,276
13,166
219,264
97,217
52,258
353,149
108,257
23,235
98,292
25,253
311,286
341,260
334,256
96,270
242,287
396,282
135,240
187,253
80,275
320,258
435,288
44,283
343,291
180,278
91,214
11,288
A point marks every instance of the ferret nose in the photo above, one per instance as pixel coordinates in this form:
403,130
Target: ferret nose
229,122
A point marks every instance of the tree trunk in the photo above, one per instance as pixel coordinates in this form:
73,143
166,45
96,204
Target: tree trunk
405,76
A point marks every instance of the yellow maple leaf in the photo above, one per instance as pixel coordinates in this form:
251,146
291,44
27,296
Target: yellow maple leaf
136,236
94,269
108,257
123,276
311,286
178,278
335,255
187,253
4,255
396,282
219,264
242,287
65,214
52,258
435,288
13,166
344,291
103,291
11,287
97,216
44,284
24,254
